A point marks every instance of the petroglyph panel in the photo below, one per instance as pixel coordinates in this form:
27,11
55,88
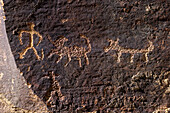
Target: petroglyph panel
127,76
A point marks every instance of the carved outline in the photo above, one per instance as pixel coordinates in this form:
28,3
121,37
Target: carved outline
30,46
72,51
115,46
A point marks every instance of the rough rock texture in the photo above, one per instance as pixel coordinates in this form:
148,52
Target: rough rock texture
131,77
15,96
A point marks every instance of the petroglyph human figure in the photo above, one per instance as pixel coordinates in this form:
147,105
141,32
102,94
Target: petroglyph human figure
56,89
115,46
72,51
30,46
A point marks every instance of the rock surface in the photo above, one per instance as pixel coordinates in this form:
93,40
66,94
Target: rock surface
132,75
15,96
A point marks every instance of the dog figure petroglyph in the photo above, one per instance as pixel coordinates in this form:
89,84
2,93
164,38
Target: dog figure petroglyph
113,45
31,45
72,51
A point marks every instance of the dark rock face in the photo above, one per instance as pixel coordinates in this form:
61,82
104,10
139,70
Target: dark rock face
131,77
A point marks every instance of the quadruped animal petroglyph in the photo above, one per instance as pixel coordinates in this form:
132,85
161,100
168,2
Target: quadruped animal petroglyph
71,51
30,46
114,45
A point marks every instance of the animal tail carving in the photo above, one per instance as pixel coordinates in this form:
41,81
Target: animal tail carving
88,43
49,38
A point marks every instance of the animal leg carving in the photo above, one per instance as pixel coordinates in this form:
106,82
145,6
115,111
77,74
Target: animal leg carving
69,59
79,59
146,57
58,60
119,55
42,54
132,57
87,60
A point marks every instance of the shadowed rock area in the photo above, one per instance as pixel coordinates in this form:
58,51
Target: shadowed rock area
124,57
